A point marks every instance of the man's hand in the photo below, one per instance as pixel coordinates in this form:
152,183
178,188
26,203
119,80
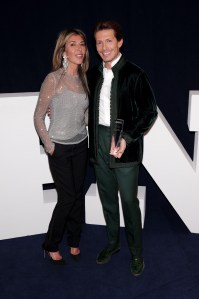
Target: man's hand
117,152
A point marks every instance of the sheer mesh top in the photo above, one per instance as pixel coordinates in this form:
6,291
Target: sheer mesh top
68,104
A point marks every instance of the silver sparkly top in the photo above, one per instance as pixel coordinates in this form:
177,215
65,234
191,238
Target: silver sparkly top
68,104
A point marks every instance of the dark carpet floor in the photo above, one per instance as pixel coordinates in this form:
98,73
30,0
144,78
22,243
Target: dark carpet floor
171,256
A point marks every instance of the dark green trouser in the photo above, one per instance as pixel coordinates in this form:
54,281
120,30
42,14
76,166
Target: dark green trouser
109,181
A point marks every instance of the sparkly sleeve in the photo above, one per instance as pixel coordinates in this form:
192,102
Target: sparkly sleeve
45,97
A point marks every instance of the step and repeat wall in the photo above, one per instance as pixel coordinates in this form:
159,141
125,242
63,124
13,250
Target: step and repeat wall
25,208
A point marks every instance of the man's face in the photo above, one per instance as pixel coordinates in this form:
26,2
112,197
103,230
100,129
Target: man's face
107,45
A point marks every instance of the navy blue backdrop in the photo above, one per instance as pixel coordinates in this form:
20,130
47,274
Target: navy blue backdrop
159,36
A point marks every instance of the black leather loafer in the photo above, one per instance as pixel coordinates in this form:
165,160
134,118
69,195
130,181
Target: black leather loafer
105,255
137,266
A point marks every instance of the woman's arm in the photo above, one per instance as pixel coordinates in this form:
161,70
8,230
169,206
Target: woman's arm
45,96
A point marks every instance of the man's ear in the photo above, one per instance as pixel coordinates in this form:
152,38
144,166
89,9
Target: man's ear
120,43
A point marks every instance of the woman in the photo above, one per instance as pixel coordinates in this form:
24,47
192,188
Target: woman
65,92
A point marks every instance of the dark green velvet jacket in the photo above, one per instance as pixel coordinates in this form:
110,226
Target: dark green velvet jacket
132,99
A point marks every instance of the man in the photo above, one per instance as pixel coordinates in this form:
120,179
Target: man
119,90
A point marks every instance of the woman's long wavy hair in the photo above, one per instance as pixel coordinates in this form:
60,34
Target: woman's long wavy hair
60,48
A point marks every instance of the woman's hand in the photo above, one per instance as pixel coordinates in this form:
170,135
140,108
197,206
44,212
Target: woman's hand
51,152
48,112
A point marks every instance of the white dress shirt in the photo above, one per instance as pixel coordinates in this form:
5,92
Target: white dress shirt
104,104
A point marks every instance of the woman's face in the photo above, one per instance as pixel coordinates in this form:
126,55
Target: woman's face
75,49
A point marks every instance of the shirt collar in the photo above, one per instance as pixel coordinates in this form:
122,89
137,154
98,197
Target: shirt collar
114,61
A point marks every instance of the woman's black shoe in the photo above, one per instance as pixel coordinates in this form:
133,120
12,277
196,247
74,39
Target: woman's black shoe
55,262
75,257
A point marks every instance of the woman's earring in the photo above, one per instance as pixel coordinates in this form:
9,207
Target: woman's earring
65,63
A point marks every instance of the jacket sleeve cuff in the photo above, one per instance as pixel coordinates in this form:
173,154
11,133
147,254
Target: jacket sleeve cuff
129,139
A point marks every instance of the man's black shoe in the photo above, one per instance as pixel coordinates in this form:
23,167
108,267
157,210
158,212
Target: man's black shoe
137,266
105,255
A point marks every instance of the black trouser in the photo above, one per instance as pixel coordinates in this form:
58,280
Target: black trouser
68,167
124,180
